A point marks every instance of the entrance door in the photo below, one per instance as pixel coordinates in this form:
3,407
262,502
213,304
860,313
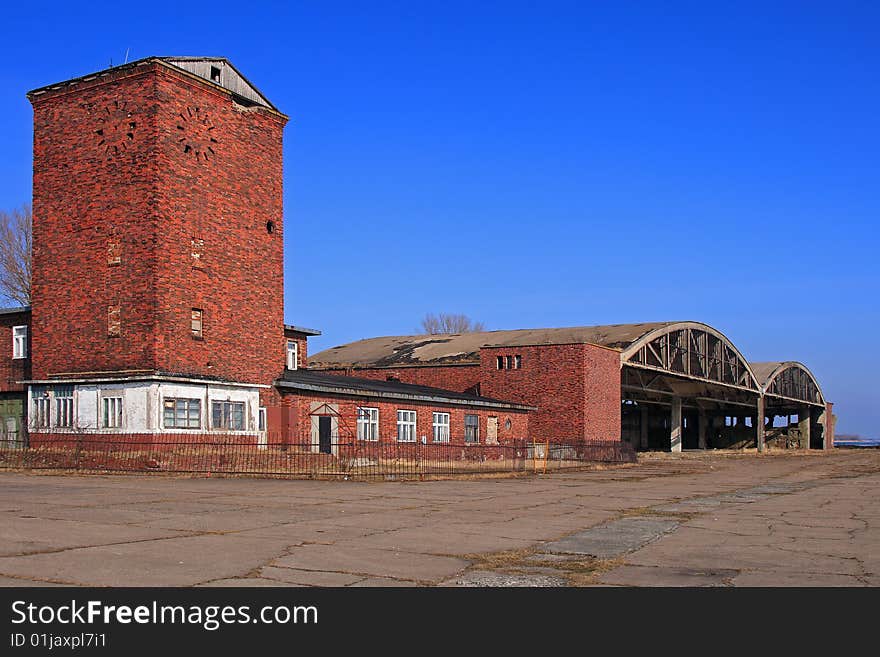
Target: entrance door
325,433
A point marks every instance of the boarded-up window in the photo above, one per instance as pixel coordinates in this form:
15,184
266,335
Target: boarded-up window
198,252
196,323
114,252
114,321
492,429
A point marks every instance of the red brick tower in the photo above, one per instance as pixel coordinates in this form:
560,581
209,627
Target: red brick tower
158,226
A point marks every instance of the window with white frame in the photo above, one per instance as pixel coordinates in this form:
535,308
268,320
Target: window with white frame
19,341
292,354
472,428
180,413
368,423
111,412
441,427
64,407
227,415
406,426
42,408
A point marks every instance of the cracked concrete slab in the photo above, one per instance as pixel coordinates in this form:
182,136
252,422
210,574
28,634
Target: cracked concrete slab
490,578
630,575
372,561
614,538
776,519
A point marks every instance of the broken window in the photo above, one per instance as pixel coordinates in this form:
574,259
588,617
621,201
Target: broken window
114,253
182,414
196,323
197,252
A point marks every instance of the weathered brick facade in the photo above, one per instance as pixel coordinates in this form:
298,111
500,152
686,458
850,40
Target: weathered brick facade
153,196
576,388
512,424
458,378
12,369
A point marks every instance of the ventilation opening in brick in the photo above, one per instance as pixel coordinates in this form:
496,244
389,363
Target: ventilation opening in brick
270,227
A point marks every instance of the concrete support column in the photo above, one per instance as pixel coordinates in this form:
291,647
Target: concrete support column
759,424
826,421
702,426
643,427
675,425
804,423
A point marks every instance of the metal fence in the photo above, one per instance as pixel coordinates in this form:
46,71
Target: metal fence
301,458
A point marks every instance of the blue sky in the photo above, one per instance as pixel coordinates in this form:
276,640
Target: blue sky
544,164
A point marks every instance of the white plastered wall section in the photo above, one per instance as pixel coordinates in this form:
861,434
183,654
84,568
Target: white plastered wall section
142,405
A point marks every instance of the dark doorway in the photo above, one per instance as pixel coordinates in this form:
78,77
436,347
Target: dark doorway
325,431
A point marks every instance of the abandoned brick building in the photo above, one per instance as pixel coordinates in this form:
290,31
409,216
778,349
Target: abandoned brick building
157,292
663,385
157,308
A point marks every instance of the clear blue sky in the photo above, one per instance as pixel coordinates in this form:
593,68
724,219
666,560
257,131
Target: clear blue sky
543,164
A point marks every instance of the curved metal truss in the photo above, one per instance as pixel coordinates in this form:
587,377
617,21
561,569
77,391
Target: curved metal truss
794,381
692,350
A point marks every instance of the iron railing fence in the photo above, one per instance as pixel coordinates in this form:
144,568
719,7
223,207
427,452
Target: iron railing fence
284,456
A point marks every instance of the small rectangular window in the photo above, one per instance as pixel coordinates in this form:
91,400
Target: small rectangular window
227,415
441,427
64,407
19,341
499,363
472,428
292,354
517,362
510,362
182,413
196,323
42,408
406,426
215,74
111,412
368,423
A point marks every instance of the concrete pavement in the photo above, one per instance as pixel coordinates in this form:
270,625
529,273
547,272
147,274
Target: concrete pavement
691,519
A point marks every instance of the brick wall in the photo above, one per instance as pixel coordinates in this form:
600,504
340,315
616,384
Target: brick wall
162,211
458,378
576,388
13,369
300,408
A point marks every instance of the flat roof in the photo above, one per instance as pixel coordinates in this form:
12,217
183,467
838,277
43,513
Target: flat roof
301,329
15,311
